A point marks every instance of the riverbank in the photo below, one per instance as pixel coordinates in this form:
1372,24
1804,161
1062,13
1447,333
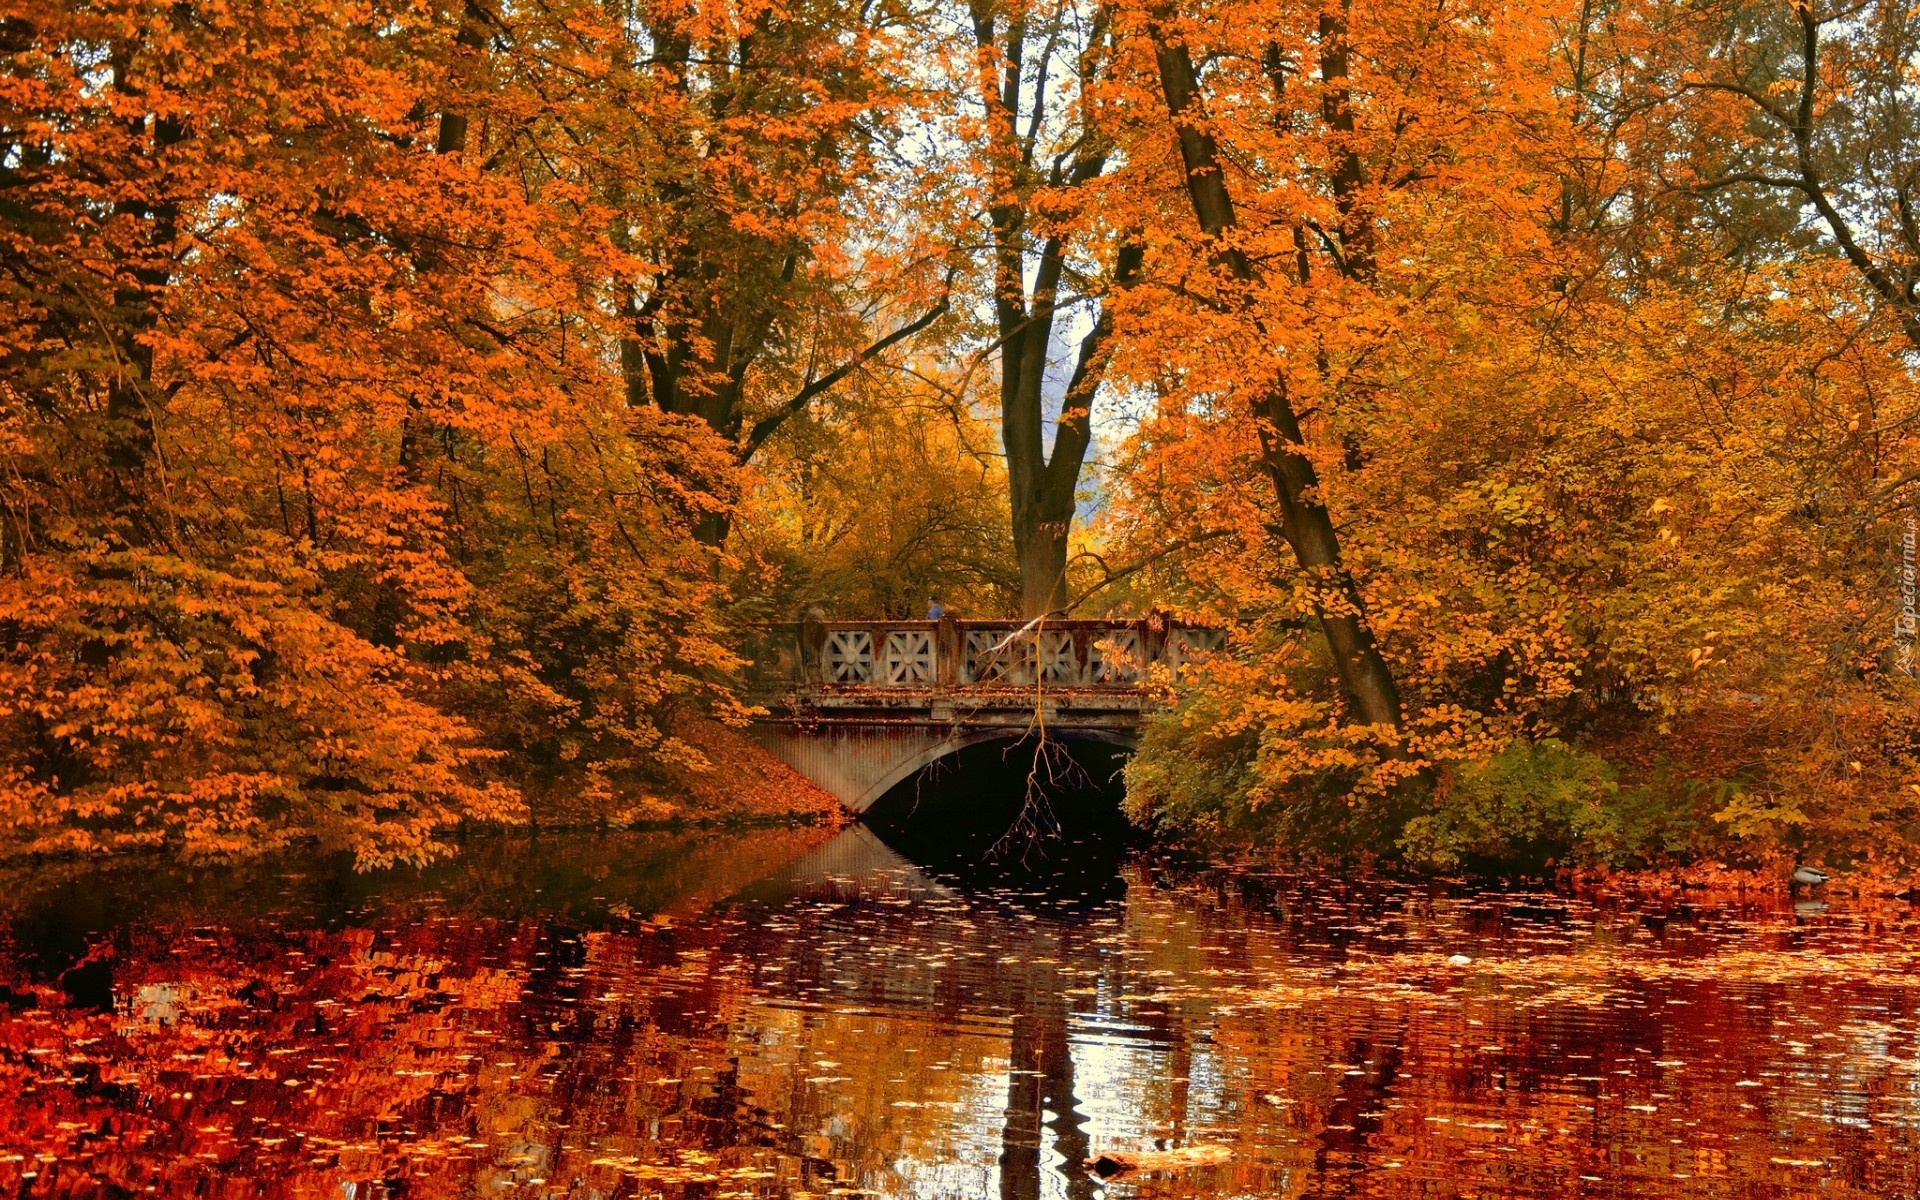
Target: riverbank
735,781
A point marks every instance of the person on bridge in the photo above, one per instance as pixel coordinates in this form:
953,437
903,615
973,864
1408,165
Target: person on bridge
934,609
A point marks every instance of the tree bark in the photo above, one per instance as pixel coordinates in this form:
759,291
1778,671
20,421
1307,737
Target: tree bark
140,283
1348,175
1041,545
1366,680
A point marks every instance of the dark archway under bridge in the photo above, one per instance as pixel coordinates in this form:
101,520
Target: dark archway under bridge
860,707
1014,813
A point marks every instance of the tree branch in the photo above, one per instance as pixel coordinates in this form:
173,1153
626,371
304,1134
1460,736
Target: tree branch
766,426
1113,576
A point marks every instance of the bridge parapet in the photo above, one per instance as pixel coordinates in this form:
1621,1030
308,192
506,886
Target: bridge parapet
827,658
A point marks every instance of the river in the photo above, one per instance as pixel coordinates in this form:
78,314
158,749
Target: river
808,1013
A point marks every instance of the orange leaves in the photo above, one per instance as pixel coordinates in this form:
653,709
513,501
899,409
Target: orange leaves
1590,478
218,712
373,385
311,426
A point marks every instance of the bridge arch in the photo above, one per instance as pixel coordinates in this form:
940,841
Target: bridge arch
912,764
861,762
920,758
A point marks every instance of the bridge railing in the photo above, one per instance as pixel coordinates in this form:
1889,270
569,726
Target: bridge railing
949,654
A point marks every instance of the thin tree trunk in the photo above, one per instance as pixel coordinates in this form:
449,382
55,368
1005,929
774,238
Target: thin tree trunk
1366,680
1021,1123
1348,175
450,139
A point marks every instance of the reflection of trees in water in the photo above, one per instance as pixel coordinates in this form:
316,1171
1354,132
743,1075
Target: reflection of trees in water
1040,1090
1353,1118
856,1025
882,937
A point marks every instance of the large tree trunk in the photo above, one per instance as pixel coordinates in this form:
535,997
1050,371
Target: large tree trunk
1043,489
1365,678
1041,542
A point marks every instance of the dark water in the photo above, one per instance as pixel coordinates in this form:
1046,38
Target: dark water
801,1013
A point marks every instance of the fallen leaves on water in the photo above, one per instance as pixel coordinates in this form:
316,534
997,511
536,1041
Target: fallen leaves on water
1114,1163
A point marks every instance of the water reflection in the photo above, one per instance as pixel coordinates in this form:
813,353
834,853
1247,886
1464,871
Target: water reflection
799,1013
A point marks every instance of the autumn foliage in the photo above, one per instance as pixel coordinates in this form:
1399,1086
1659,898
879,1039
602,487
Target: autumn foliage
1617,448
407,407
326,514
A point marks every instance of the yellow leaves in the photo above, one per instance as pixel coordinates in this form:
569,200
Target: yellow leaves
1751,814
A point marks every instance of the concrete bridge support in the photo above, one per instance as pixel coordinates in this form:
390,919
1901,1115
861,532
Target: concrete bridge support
860,761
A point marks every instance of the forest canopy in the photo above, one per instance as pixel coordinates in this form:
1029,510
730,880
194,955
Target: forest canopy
411,410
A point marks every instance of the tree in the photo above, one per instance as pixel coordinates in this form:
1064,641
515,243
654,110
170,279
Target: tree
1365,678
1040,150
312,439
732,152
1324,123
1805,105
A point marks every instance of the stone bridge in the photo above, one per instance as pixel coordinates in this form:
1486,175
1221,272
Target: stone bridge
859,706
